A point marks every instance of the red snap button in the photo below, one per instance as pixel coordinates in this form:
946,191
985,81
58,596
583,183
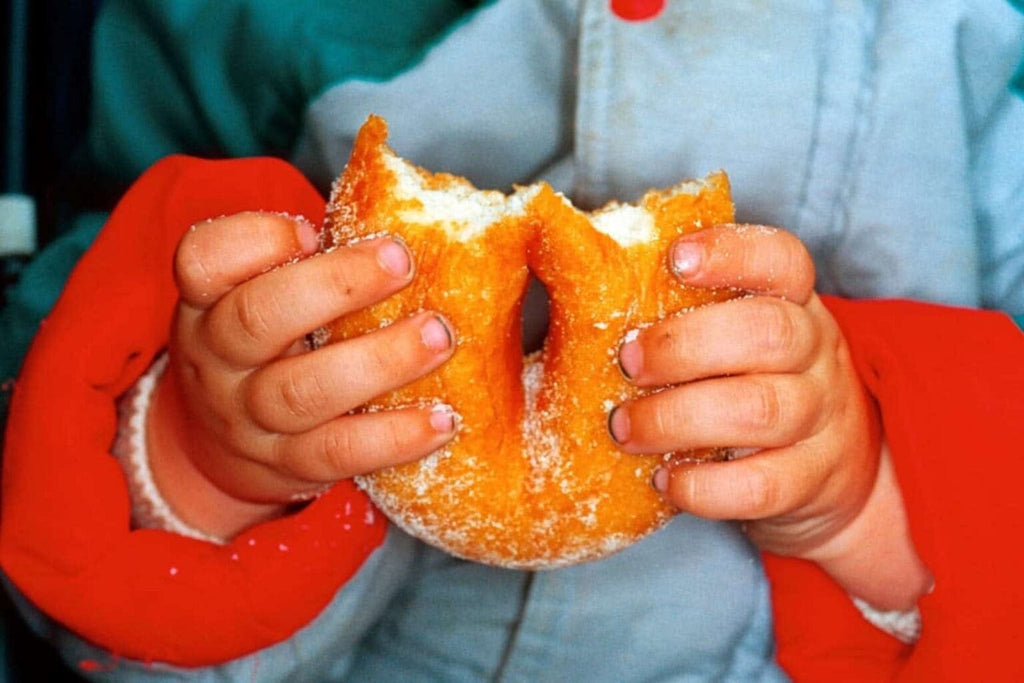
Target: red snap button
637,10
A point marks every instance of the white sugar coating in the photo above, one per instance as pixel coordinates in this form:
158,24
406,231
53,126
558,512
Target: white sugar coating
318,338
612,543
541,447
626,224
425,529
464,211
425,479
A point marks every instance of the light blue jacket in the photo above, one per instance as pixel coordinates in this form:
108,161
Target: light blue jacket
882,133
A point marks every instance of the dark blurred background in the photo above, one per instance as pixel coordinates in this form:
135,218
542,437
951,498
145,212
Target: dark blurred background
44,81
45,72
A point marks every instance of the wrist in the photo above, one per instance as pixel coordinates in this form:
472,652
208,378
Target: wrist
874,557
150,509
172,449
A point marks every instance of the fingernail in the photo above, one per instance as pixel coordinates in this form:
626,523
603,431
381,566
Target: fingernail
443,419
739,453
631,356
394,258
618,425
686,258
659,480
309,238
435,335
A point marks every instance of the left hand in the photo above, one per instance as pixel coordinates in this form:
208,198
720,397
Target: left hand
769,375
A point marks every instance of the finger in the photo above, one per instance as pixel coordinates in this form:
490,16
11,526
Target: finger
366,442
260,319
754,258
756,411
767,484
298,393
757,334
217,255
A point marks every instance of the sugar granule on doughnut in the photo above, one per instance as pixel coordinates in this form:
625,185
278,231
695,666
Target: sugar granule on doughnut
532,479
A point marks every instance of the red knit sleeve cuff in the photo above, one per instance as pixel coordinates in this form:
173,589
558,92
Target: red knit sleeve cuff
65,539
950,386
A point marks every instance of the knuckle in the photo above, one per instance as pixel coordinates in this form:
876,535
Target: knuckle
342,282
320,456
379,360
814,406
338,452
350,449
390,438
760,492
777,331
664,341
766,411
667,349
815,337
688,492
659,421
250,316
301,394
828,337
797,260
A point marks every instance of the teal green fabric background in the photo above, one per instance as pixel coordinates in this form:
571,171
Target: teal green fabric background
233,78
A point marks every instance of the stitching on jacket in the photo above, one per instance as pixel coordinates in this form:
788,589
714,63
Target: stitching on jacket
594,59
840,218
799,219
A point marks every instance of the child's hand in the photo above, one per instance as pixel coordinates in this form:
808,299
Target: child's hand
770,375
245,419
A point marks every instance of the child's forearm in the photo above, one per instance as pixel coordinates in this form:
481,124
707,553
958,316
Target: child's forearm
874,557
189,493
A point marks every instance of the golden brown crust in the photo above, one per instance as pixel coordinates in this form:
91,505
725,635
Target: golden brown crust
532,480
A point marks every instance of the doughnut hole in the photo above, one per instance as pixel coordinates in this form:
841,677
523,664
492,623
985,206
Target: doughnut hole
536,315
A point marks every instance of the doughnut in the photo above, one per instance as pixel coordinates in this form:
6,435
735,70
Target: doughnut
532,480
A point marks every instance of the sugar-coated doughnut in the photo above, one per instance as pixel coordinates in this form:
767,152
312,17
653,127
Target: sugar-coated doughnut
532,479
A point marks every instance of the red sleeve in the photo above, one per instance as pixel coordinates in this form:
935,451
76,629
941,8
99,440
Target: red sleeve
65,539
950,384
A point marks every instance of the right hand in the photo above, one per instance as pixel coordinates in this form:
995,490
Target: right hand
246,420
